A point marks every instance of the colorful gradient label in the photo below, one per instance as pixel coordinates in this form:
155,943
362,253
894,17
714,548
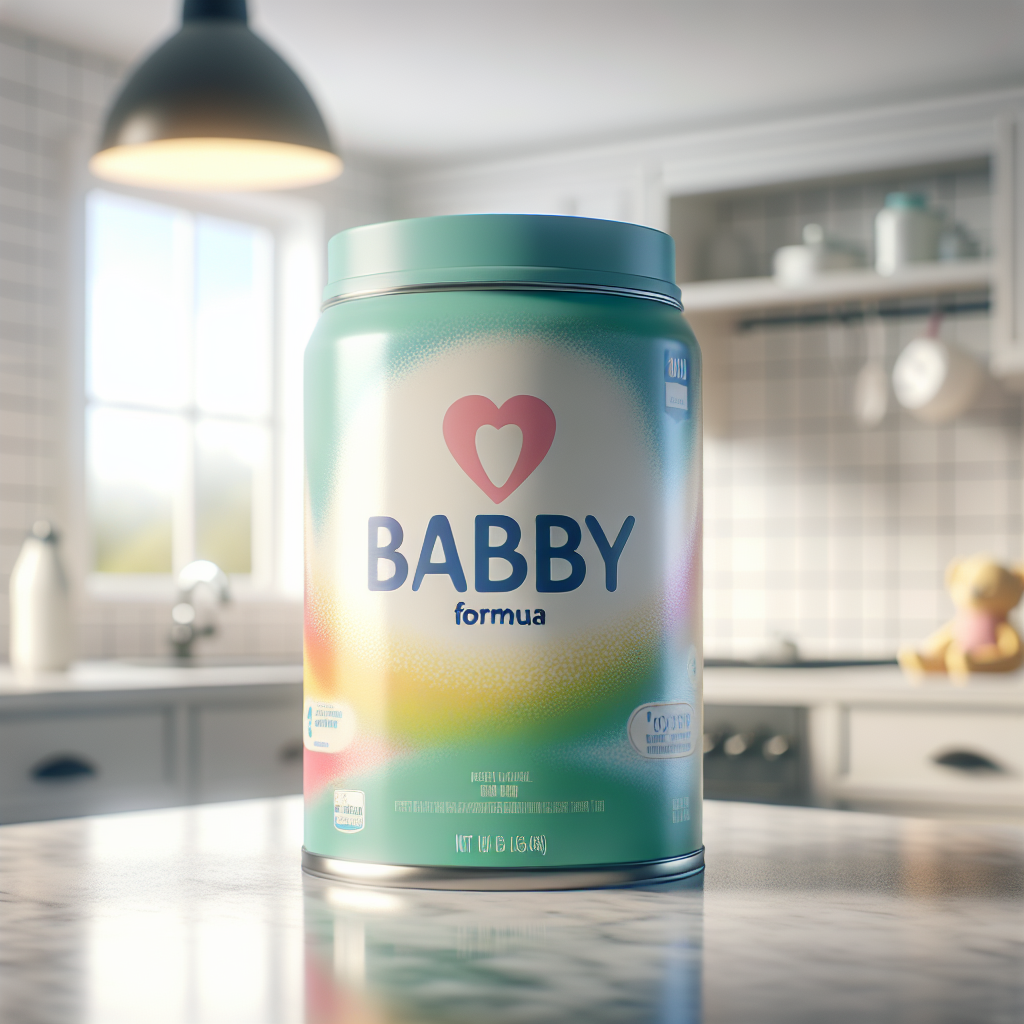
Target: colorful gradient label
502,603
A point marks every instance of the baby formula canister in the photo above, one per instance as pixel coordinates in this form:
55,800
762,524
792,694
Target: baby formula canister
503,558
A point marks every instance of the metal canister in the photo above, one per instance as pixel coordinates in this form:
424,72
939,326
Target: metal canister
503,558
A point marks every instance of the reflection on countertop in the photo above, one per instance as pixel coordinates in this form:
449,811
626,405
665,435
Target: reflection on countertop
201,914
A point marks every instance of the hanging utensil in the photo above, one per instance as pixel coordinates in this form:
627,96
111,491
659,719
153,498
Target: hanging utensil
934,379
871,387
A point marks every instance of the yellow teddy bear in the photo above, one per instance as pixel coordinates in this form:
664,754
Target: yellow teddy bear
978,639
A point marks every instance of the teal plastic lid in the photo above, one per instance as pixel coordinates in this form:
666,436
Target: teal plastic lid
511,250
906,201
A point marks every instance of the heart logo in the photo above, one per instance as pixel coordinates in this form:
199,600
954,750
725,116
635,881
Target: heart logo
465,417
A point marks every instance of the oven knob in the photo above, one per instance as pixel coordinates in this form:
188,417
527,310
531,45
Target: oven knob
736,745
774,747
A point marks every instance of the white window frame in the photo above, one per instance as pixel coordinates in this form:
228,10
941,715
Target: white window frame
297,227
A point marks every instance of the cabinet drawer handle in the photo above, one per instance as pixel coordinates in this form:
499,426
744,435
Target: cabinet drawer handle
968,761
63,766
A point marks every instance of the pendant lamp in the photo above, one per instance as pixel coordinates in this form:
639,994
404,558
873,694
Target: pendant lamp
215,109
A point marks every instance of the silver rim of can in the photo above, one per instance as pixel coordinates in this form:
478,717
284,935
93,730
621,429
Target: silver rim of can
507,286
598,876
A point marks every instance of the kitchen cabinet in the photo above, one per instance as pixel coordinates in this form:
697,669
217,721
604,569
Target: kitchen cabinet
663,180
112,737
945,756
248,748
725,238
56,764
732,298
872,740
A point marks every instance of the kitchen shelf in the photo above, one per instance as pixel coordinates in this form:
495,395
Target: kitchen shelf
735,296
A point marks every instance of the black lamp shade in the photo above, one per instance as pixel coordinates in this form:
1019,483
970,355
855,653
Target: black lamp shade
214,107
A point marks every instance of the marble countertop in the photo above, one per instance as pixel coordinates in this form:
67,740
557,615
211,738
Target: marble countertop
201,914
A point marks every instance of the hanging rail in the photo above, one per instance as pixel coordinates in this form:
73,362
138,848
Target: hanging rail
864,311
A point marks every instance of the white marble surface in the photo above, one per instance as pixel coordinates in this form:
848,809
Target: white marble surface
201,914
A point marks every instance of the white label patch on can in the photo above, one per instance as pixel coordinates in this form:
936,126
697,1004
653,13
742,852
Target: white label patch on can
662,730
349,810
676,396
327,726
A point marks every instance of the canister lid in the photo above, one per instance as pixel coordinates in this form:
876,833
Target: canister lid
906,201
513,250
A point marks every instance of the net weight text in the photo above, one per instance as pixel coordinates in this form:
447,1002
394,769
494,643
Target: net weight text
501,844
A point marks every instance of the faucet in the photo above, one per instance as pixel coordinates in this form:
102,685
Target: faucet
195,579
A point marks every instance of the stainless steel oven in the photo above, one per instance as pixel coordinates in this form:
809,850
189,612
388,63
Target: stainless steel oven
756,753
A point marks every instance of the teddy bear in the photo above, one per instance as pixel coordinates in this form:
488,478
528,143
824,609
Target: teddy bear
978,639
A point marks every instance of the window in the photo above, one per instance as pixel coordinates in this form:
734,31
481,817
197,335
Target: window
180,389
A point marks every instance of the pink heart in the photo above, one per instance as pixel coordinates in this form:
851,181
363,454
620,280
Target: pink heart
466,416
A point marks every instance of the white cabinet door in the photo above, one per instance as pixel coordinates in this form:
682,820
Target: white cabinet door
68,764
248,750
951,756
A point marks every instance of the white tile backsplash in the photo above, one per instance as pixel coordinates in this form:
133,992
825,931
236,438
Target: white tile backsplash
845,548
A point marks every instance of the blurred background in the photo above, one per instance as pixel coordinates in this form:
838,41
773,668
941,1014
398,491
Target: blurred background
840,178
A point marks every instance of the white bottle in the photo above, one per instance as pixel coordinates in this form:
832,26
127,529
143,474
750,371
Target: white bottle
906,231
40,604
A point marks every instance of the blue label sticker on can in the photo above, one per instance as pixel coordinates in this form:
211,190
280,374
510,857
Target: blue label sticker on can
349,810
662,730
675,366
328,726
677,392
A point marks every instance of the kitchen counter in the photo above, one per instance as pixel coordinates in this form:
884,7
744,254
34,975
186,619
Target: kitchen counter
875,684
201,914
144,674
747,685
870,738
122,735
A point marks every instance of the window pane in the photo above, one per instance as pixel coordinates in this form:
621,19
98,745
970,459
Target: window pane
134,471
229,459
233,318
138,301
